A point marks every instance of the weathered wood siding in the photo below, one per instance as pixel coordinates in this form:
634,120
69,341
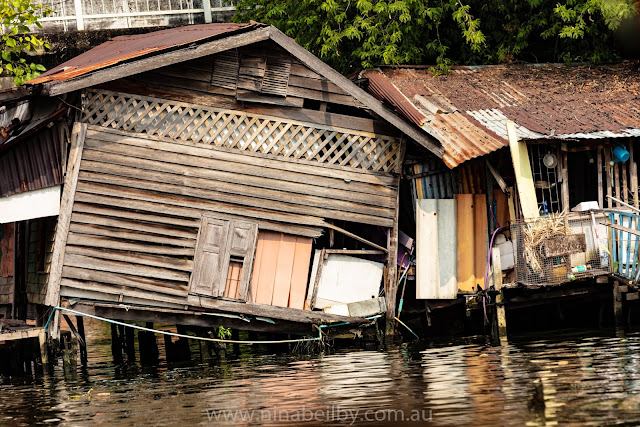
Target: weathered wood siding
139,201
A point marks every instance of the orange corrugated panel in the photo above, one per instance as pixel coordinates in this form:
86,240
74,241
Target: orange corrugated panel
284,267
281,269
300,272
466,259
479,237
472,240
266,274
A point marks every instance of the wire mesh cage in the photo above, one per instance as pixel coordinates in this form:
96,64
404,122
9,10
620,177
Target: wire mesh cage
559,248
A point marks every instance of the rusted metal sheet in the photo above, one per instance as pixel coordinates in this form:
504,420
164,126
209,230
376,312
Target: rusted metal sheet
124,48
466,109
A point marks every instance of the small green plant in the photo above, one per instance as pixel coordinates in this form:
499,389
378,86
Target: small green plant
18,40
224,333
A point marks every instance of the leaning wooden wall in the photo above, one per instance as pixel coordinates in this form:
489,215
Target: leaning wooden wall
249,135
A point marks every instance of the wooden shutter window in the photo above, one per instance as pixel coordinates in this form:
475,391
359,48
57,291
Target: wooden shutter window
225,70
210,257
276,77
224,258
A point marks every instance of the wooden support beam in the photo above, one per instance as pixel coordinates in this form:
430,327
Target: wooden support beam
607,165
391,285
600,186
617,304
497,282
44,348
52,297
83,347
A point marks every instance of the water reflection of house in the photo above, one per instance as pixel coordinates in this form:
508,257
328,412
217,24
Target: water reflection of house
568,154
220,169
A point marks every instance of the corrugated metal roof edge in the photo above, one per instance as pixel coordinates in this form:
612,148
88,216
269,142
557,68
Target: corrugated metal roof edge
137,55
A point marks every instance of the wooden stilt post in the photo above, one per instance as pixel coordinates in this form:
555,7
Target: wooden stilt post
148,346
83,340
182,345
44,350
169,349
129,342
497,282
391,285
617,304
116,345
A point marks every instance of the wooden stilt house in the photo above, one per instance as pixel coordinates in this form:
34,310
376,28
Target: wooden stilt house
223,169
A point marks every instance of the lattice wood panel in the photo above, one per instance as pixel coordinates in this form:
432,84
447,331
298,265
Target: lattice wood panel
242,131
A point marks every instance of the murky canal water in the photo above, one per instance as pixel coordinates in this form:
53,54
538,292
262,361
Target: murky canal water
570,378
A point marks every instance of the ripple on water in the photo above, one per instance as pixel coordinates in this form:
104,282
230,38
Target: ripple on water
591,380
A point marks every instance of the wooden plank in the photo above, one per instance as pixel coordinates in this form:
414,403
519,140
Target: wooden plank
251,96
80,218
275,312
118,291
255,274
254,208
564,172
96,230
300,273
134,282
607,165
314,278
522,170
633,175
323,96
600,184
245,181
391,279
355,236
156,61
135,258
465,240
110,243
96,264
317,84
284,268
227,154
191,202
99,211
480,230
78,134
267,271
96,171
616,180
625,187
565,245
622,228
187,211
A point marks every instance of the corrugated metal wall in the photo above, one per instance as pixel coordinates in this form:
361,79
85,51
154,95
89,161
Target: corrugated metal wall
32,164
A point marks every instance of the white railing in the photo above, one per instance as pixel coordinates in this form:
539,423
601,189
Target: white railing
72,15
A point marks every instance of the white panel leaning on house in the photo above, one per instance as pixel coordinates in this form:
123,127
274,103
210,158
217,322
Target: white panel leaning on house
436,249
29,205
345,279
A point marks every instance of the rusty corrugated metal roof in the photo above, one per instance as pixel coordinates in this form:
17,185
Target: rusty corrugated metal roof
123,48
466,110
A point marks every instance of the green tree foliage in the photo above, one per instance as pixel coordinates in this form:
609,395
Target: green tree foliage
17,39
351,34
